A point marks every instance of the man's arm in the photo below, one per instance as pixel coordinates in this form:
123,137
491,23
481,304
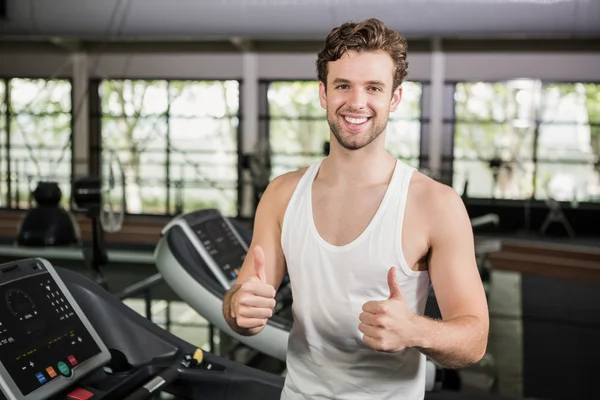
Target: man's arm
267,234
460,339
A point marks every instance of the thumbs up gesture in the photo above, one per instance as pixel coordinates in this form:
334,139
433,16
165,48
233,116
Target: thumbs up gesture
254,301
388,325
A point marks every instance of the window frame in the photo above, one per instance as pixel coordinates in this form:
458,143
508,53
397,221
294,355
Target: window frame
6,100
95,142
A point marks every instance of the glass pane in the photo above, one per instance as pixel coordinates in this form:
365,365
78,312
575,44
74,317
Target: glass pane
487,141
216,169
41,151
3,154
206,134
295,100
131,98
217,99
40,96
140,144
296,143
2,103
571,102
150,196
196,197
511,181
187,129
568,181
565,142
569,142
403,139
592,102
499,102
410,104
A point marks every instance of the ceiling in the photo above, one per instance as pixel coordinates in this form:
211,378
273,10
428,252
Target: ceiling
156,20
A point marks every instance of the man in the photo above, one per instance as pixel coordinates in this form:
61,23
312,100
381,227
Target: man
362,236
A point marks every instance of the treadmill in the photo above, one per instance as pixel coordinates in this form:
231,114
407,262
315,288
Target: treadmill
200,254
63,337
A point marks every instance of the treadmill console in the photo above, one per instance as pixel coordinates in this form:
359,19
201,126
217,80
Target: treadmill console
46,343
217,241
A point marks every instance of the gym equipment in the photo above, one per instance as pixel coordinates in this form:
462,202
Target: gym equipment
97,346
46,337
556,215
48,224
486,219
200,254
97,197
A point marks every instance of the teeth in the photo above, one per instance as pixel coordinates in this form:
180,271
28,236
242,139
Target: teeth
355,120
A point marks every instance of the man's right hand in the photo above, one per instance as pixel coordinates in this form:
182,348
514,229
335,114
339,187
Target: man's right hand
254,301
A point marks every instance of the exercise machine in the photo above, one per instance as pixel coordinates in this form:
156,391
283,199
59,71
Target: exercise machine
103,201
200,255
48,224
63,337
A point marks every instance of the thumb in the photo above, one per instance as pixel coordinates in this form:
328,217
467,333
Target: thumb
395,291
259,263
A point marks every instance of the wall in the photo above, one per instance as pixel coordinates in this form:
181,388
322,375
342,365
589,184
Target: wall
457,66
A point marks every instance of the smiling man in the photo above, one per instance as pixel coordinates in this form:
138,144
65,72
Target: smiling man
362,236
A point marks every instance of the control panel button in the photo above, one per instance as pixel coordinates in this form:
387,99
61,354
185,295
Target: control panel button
40,377
72,360
64,369
80,394
51,372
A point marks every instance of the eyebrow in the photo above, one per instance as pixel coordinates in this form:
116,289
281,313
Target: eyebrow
376,83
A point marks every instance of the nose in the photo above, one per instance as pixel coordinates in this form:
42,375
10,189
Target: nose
357,99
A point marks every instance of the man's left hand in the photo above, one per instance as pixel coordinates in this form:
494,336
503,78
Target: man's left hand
388,325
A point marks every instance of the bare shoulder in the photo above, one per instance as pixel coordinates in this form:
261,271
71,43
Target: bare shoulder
439,203
433,195
287,182
280,190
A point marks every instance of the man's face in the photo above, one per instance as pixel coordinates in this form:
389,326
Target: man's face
359,97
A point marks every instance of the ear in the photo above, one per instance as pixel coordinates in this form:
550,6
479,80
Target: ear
323,95
396,97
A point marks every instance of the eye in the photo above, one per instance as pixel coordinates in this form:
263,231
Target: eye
376,89
342,87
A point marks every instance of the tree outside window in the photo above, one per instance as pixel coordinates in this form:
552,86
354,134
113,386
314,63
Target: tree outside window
36,145
177,142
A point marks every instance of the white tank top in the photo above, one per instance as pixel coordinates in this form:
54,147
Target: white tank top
327,358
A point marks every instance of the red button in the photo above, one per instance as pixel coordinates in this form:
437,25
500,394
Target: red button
72,360
80,394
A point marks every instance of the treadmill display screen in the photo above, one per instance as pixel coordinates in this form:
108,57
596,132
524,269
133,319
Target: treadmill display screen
41,336
223,246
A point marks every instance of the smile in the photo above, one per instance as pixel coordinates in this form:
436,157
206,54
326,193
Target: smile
356,121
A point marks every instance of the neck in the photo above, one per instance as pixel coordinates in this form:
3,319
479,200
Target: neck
371,164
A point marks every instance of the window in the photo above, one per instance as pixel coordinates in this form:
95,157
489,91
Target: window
522,139
298,127
494,135
176,141
568,143
4,195
36,144
403,138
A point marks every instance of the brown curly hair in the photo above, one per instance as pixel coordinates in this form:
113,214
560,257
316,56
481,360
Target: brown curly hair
368,35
